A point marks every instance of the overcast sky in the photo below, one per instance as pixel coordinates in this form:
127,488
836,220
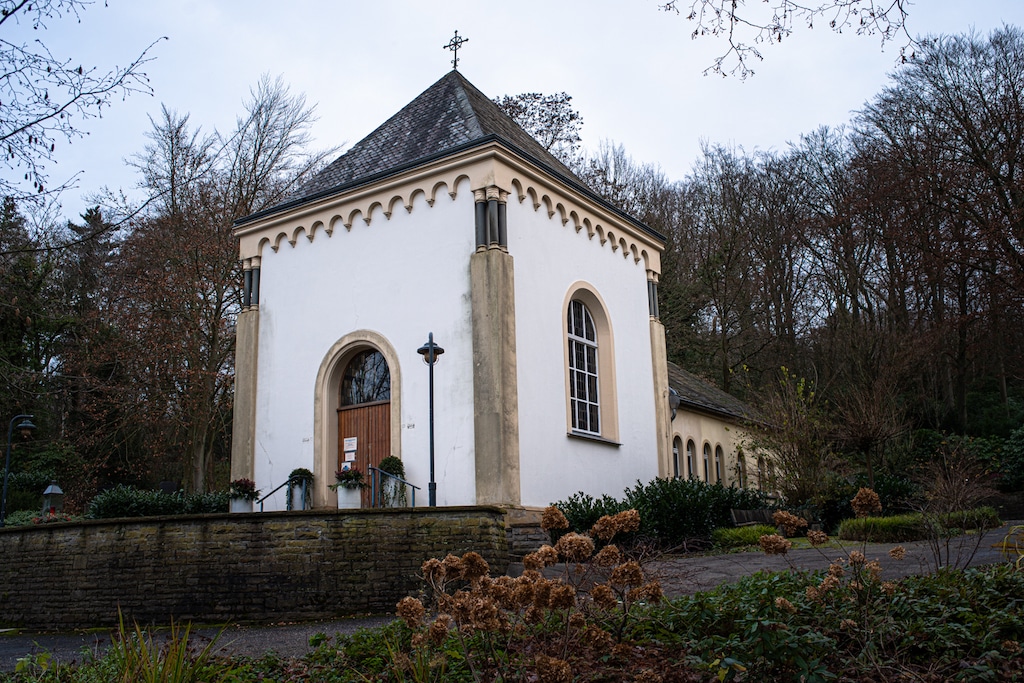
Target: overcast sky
633,71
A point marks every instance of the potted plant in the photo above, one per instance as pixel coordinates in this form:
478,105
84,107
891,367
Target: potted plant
243,493
392,489
349,483
300,489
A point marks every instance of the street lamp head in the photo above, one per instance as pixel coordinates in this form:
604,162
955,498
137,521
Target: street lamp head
430,351
25,428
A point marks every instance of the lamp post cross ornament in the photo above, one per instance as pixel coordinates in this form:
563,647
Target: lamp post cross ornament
454,44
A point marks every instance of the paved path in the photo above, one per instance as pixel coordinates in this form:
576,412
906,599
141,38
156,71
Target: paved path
679,575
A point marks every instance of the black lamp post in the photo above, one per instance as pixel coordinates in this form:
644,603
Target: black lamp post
430,352
25,429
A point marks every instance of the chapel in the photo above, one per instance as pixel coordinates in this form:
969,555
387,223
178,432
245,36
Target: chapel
449,223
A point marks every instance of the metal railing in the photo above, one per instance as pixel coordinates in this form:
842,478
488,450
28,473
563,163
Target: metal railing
300,481
380,499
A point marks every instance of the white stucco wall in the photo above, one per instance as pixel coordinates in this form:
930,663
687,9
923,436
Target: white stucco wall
402,278
549,258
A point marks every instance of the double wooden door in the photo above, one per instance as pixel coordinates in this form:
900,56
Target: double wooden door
367,428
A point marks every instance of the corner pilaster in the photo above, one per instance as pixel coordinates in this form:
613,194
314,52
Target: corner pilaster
659,365
243,430
495,389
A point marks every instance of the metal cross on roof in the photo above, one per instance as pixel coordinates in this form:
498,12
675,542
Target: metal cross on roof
454,44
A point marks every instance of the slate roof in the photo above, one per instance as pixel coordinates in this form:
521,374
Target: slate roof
697,394
449,116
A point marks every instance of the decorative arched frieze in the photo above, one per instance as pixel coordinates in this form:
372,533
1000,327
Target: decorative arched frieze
368,217
609,228
352,218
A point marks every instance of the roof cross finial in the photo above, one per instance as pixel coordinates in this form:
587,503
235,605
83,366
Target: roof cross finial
454,44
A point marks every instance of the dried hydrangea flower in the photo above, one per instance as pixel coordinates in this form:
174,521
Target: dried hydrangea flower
608,556
575,547
553,518
604,597
411,611
552,670
866,503
898,553
773,544
627,574
785,605
817,537
789,522
857,558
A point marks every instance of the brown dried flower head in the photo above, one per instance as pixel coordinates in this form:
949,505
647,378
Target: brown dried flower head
627,574
438,631
452,565
847,624
552,670
474,566
785,605
888,587
874,568
411,611
649,592
575,547
598,639
817,537
898,553
603,596
866,503
836,569
577,621
857,558
545,556
433,571
789,522
563,596
608,556
773,544
553,518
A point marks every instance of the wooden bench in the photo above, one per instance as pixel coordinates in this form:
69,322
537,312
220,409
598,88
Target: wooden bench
752,517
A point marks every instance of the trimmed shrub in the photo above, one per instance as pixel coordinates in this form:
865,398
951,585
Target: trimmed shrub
915,526
128,501
738,537
673,512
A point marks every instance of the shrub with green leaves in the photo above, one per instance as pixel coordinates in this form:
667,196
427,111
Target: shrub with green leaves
128,501
953,625
673,512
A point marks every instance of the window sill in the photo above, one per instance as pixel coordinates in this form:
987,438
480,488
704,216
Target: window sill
592,437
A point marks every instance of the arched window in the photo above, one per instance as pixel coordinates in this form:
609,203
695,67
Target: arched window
366,379
761,474
584,396
707,462
741,468
677,445
691,455
718,463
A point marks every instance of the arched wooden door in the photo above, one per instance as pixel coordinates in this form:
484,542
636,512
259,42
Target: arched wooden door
364,414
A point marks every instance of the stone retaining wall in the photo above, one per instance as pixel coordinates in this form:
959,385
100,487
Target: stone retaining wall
257,567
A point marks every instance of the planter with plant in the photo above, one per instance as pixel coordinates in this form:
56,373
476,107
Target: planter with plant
243,493
349,483
300,489
392,489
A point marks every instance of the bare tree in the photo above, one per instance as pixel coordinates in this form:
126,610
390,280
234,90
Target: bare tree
550,119
749,26
44,97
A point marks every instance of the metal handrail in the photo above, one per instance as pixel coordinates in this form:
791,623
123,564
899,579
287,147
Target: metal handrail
287,482
375,490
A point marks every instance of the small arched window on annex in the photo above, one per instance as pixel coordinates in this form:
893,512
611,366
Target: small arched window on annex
707,463
719,458
590,408
691,458
358,393
741,468
677,446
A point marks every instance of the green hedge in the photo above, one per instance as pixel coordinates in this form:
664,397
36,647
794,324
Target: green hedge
916,526
673,512
738,537
128,501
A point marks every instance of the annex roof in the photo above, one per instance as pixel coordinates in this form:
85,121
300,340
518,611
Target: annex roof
450,116
697,394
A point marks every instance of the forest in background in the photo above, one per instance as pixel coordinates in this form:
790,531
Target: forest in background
857,288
